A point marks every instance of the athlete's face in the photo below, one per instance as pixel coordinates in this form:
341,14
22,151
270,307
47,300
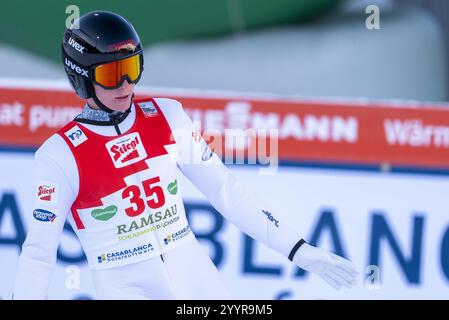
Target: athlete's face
116,99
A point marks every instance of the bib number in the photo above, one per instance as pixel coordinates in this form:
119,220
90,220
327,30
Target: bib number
154,197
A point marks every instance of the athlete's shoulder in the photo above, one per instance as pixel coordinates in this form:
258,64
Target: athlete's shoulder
166,105
54,147
174,113
171,109
54,160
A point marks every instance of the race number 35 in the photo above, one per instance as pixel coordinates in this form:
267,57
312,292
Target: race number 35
154,197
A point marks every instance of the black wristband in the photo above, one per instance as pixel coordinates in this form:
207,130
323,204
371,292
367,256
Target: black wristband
295,248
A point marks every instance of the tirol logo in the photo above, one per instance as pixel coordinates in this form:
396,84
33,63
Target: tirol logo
177,235
173,187
76,136
104,214
76,45
74,67
271,218
44,215
126,150
125,254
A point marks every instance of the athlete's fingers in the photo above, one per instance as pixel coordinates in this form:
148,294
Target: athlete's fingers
332,282
340,277
345,264
351,277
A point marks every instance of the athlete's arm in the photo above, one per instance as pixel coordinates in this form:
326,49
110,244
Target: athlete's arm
242,208
46,223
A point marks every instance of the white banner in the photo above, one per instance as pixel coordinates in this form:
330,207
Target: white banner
394,227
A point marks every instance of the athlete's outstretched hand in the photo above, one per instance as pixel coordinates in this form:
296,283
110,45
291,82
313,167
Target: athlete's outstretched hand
333,269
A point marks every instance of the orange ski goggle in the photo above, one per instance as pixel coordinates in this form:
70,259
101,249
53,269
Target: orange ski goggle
111,75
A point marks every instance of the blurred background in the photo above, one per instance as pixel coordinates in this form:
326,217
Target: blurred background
376,195
299,47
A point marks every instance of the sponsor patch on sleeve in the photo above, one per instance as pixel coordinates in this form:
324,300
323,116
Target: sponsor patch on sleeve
76,136
47,193
44,215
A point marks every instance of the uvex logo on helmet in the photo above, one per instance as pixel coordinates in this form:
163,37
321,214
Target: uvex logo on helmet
126,150
76,45
76,68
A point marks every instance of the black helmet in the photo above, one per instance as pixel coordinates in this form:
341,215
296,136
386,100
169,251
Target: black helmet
95,39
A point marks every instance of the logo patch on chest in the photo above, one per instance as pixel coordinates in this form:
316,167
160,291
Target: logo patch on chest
76,136
148,108
126,150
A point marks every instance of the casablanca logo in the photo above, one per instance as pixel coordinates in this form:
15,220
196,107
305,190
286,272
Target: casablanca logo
101,258
168,239
104,214
125,254
173,187
126,150
177,235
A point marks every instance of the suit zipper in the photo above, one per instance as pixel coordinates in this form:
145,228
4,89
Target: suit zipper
117,129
